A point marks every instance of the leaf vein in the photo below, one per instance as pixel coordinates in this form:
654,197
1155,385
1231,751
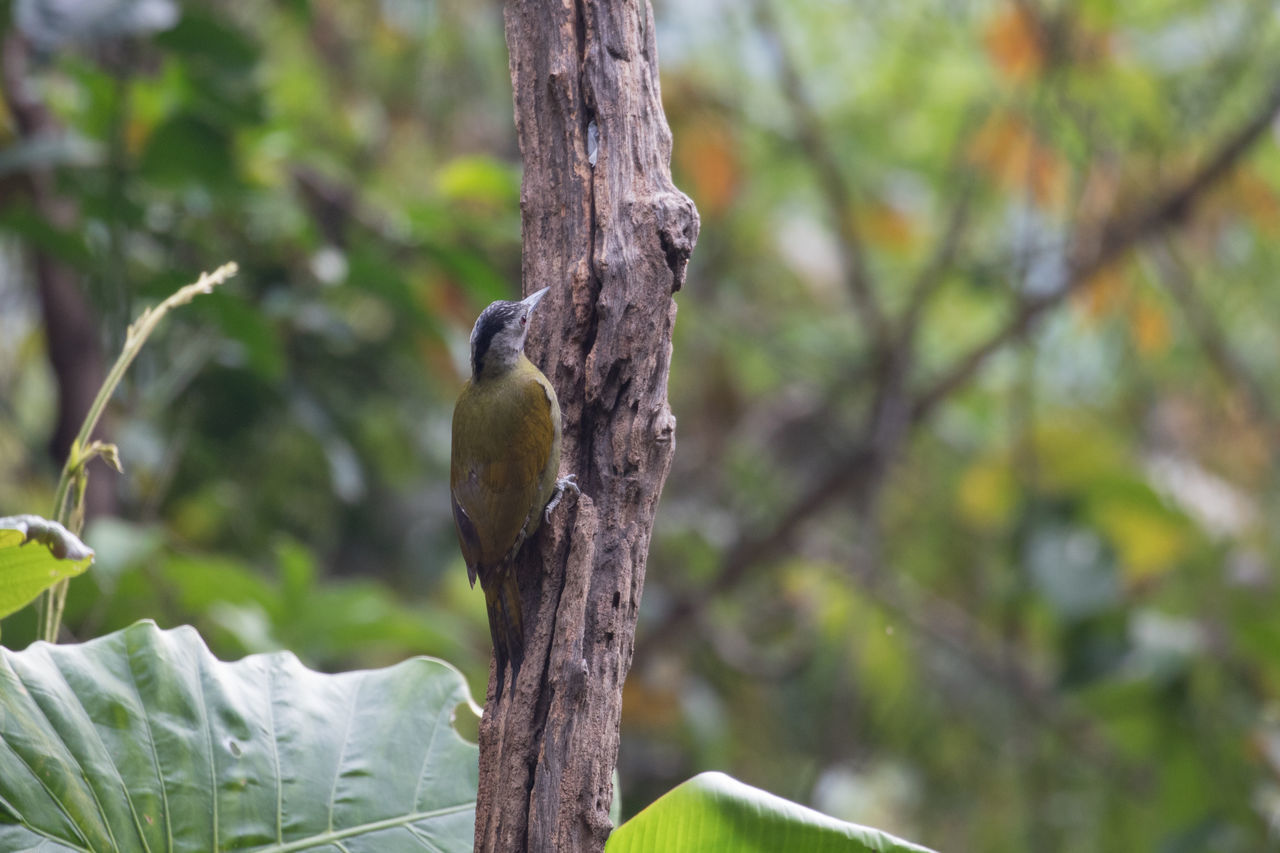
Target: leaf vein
337,835
342,750
124,788
275,751
69,755
422,837
208,739
151,744
426,762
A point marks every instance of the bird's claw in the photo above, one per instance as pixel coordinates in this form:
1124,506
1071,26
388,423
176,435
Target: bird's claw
564,484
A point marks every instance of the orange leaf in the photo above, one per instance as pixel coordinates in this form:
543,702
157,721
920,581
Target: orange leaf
886,226
1014,43
1102,293
1149,326
1257,201
707,154
649,706
1047,177
1001,146
1007,148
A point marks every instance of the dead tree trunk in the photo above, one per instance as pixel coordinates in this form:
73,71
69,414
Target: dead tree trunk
611,235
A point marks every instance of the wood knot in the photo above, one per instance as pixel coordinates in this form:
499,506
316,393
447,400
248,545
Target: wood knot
664,427
576,680
678,224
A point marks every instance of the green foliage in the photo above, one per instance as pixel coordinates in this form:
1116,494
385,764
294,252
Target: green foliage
713,811
26,568
268,605
143,740
1061,600
1039,606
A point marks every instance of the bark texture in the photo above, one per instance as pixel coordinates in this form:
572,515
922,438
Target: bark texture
612,240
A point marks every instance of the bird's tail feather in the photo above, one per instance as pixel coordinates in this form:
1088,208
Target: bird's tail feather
506,625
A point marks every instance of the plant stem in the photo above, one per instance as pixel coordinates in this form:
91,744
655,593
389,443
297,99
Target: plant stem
64,509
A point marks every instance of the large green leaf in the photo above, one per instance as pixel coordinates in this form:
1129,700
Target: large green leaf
142,740
713,811
36,553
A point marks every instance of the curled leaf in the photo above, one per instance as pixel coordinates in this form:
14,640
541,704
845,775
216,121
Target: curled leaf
26,569
61,542
109,452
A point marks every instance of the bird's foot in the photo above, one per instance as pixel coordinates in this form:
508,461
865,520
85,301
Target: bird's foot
564,484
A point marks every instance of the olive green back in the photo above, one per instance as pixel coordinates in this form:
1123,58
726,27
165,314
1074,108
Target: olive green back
506,454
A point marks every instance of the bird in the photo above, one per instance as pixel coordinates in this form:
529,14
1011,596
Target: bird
504,466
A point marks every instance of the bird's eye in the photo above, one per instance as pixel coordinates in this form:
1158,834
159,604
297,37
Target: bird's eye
524,319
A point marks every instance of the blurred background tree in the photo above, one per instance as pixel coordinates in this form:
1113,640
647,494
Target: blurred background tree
967,532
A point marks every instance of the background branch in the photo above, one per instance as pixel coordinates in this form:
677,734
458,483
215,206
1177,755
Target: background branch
1176,278
833,186
1103,244
855,474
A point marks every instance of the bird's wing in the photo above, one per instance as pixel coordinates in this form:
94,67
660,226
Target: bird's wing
497,469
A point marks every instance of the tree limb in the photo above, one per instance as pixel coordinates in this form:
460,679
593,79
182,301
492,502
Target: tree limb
934,272
1176,278
1104,244
832,183
851,474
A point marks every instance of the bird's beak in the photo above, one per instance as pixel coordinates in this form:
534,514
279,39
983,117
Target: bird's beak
531,301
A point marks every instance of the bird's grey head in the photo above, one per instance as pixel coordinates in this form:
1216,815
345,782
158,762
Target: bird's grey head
498,336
